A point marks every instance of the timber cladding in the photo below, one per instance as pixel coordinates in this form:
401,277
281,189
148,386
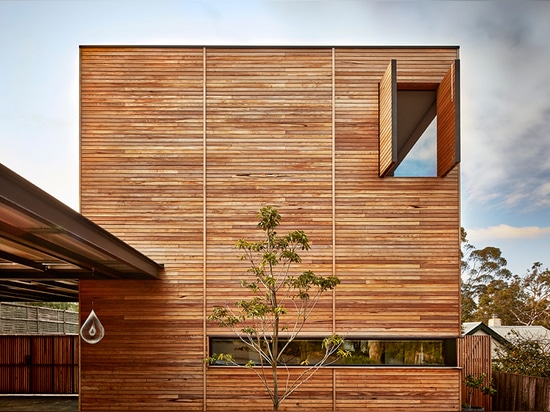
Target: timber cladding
181,146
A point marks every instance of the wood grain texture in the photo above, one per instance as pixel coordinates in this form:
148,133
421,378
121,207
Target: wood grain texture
180,147
387,119
448,121
521,393
474,359
39,364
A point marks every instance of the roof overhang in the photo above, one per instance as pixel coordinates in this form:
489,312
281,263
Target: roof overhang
46,247
473,328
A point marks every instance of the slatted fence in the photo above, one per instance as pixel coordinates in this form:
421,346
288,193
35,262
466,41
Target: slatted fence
521,393
39,364
17,319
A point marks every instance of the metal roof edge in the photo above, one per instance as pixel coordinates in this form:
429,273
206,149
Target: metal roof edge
21,194
270,46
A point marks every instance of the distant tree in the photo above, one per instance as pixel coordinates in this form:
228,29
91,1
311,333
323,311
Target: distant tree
465,249
533,296
279,305
498,299
489,288
484,266
468,302
72,306
524,356
484,277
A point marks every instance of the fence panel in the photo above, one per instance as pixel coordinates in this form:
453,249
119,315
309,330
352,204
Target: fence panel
474,356
14,368
17,319
39,364
521,393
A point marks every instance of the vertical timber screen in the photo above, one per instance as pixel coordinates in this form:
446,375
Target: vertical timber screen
474,356
39,364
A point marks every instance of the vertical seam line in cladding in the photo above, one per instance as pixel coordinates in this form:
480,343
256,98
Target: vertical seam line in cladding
204,283
333,172
333,130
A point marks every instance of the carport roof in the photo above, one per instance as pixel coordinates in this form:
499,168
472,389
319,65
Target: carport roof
46,247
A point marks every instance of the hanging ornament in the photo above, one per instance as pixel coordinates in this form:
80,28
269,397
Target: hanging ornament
92,330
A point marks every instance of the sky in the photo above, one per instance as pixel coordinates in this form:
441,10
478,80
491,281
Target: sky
505,86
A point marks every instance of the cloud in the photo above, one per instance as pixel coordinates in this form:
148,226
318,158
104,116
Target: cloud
507,232
506,110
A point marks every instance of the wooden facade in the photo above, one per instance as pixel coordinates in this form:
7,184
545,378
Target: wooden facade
181,146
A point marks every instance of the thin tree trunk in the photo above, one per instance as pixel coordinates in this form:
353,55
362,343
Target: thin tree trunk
275,355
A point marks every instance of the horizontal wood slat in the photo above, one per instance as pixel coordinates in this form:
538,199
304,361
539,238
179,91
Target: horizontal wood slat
180,147
396,389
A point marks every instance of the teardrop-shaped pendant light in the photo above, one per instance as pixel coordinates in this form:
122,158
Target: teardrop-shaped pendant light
92,330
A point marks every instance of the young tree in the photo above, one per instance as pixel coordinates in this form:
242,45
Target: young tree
280,303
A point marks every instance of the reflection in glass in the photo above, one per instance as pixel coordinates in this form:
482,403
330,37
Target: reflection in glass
426,352
395,352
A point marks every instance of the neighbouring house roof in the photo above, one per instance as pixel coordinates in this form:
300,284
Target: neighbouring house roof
480,328
505,333
529,332
46,247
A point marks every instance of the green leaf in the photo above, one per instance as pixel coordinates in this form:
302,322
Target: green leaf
269,218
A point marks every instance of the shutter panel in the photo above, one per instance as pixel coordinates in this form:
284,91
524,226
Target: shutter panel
448,121
387,121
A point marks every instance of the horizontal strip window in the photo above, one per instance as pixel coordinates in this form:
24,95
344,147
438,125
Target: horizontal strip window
363,352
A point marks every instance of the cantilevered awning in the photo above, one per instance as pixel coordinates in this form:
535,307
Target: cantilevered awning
46,247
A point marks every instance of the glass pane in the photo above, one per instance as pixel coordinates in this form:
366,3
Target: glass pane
394,352
363,352
421,160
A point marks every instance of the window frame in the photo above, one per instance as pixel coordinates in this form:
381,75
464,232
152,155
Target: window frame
448,352
447,113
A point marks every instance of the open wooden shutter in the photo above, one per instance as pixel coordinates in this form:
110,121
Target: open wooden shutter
388,120
448,121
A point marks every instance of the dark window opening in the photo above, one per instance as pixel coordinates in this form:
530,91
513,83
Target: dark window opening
419,125
364,352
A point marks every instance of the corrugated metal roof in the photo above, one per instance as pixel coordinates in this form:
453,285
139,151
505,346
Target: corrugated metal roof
506,332
528,332
480,328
